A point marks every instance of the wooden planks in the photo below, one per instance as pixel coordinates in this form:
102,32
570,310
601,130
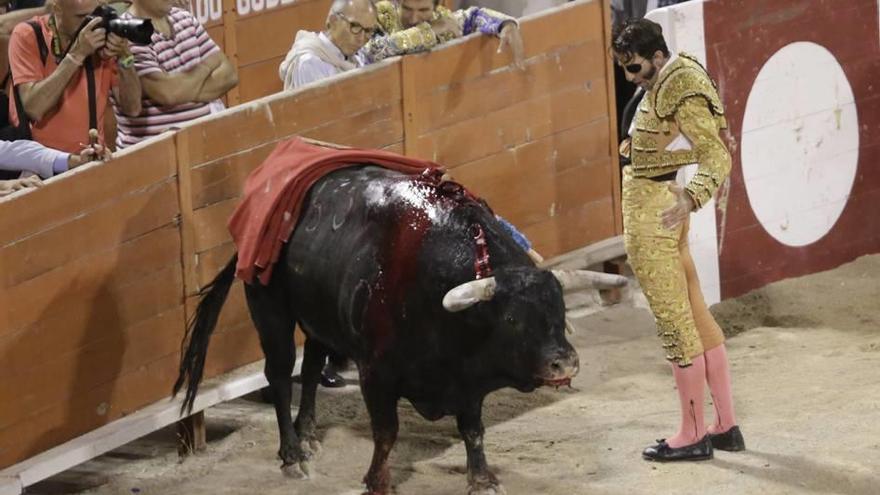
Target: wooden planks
96,269
270,34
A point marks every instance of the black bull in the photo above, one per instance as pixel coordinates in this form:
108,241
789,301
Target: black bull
381,268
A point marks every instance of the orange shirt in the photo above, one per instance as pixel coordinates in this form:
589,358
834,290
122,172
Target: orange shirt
66,127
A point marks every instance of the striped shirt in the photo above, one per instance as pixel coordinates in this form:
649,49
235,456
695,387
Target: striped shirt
188,46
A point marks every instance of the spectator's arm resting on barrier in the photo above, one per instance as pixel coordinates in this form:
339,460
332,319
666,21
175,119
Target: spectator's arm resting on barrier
181,87
41,96
10,186
33,157
221,80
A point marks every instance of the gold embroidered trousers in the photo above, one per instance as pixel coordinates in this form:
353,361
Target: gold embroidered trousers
663,266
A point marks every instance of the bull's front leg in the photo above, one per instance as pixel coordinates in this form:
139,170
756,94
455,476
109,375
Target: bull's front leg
382,407
481,481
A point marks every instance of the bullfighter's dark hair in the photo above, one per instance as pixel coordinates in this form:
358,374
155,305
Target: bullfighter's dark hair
638,36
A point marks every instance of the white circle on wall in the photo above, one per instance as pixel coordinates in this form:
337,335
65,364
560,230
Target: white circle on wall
800,143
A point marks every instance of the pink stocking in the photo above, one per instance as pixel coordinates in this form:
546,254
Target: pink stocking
690,382
718,376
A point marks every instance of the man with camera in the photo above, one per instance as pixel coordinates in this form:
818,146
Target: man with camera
65,65
182,70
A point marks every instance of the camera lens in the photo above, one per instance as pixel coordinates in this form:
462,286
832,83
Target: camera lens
138,31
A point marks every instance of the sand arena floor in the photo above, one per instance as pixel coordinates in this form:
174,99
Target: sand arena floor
805,358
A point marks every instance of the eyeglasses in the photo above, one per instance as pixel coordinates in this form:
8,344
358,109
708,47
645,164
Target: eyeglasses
356,28
633,68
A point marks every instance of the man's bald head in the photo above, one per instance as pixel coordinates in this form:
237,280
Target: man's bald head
69,14
351,23
86,6
351,8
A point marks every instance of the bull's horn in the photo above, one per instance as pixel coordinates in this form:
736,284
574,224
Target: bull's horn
581,279
468,294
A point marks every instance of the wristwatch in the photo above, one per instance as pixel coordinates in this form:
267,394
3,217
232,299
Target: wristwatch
125,62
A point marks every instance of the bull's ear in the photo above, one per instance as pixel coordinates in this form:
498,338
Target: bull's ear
468,294
581,279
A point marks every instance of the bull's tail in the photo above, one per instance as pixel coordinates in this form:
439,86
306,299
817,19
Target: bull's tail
198,333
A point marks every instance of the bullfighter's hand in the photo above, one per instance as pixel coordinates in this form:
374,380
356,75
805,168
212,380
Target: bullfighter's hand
446,28
511,36
676,214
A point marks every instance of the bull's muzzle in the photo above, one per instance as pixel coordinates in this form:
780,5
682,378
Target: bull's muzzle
560,369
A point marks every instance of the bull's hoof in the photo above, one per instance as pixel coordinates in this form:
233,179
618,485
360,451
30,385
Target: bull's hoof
486,487
315,446
298,470
310,448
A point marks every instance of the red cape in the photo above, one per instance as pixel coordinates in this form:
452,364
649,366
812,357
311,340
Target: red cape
274,192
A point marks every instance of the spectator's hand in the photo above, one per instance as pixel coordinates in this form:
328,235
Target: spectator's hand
10,186
446,28
680,211
510,36
116,46
88,154
90,39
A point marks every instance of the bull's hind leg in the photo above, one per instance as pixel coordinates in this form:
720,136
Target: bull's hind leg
382,407
275,322
481,481
314,355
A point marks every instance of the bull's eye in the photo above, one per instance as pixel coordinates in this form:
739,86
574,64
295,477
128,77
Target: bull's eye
510,319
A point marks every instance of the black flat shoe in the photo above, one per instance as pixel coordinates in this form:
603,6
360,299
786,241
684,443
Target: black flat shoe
731,440
662,452
331,379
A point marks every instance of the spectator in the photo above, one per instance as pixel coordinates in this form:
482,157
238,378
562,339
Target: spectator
49,58
411,26
314,56
182,70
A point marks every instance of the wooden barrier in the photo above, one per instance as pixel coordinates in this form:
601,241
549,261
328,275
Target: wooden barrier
100,268
92,299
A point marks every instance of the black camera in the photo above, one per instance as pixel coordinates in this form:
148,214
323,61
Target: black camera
136,30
